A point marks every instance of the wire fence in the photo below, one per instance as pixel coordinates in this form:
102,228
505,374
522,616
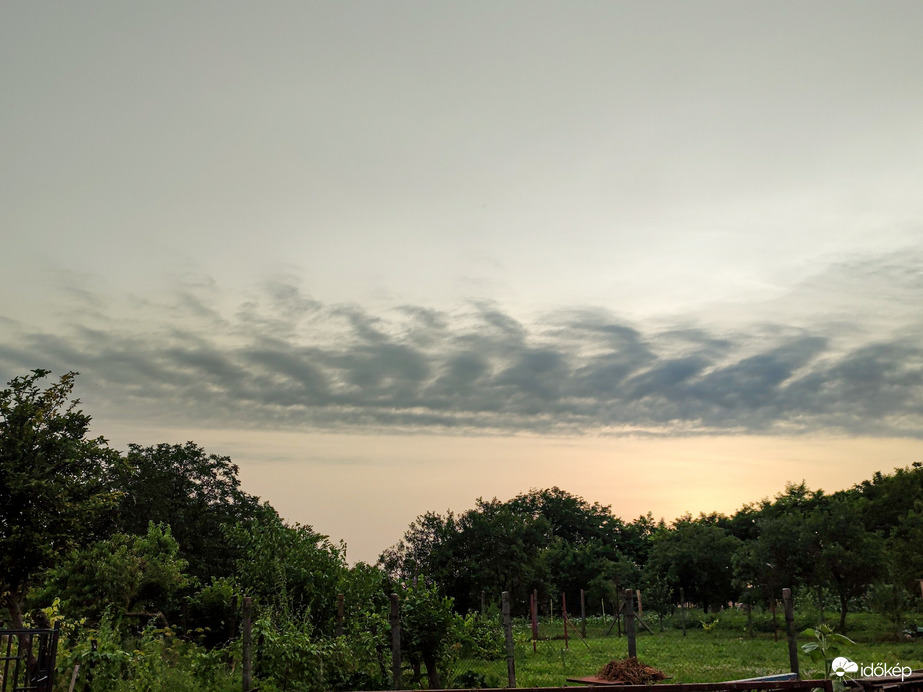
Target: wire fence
687,645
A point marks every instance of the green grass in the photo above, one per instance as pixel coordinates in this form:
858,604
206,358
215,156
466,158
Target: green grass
725,653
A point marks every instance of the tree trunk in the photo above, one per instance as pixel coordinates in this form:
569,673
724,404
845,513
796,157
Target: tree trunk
432,674
14,607
844,608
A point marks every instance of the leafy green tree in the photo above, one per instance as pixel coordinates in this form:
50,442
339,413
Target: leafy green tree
697,556
905,546
131,573
849,556
291,571
426,551
501,550
55,481
427,626
545,540
196,493
889,497
569,517
658,595
638,537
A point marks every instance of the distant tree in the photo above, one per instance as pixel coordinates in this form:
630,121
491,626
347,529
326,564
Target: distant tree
697,556
569,517
905,546
426,551
889,497
55,481
849,557
637,538
546,540
659,595
502,551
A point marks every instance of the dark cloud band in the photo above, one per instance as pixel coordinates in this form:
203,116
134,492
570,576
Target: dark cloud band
287,361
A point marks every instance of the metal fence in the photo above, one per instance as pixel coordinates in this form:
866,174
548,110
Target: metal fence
28,660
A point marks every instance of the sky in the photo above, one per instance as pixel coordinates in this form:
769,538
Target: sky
392,257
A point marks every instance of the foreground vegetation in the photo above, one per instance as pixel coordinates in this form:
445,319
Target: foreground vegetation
149,554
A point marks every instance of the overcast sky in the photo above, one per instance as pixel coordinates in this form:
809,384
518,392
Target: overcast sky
666,255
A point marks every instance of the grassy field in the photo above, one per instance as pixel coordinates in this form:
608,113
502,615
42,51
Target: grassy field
727,652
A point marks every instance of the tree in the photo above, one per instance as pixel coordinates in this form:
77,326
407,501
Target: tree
196,493
290,570
426,629
906,548
55,481
141,573
697,556
850,557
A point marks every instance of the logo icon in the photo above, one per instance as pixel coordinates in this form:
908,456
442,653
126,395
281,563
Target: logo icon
842,665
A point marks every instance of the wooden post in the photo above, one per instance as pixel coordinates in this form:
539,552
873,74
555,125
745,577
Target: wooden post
70,688
395,619
640,610
682,605
533,607
339,615
775,624
564,616
630,623
508,629
247,665
921,588
617,604
790,626
582,615
750,619
618,618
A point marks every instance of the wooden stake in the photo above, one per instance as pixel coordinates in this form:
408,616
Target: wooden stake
582,615
247,646
630,624
790,626
508,629
564,615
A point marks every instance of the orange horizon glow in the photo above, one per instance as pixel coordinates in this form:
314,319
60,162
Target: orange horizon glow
365,489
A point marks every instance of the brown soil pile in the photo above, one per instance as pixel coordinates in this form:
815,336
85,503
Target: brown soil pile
630,671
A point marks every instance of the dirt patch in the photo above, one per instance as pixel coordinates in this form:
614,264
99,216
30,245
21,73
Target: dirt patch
630,671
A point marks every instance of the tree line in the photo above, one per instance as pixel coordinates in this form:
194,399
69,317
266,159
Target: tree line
165,534
838,547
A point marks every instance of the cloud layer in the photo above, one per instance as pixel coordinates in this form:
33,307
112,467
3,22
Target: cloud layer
284,360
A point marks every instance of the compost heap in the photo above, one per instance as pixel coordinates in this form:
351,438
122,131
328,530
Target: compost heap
630,671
